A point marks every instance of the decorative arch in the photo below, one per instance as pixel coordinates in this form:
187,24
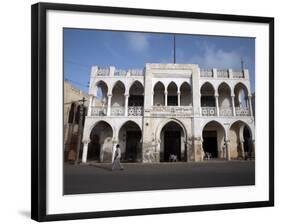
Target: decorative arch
185,94
224,84
130,141
101,91
159,94
90,128
100,142
241,93
117,82
136,95
134,82
208,92
207,83
241,137
252,131
164,122
171,139
214,138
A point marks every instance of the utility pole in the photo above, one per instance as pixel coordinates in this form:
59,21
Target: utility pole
81,115
242,64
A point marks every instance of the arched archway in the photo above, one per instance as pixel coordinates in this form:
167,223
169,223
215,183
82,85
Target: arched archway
241,95
241,140
130,136
208,101
159,94
185,95
172,142
213,135
101,94
100,145
136,99
172,99
118,99
225,103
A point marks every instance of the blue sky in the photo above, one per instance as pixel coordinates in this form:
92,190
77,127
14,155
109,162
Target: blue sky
126,50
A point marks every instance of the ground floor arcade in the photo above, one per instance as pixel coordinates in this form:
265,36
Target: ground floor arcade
155,139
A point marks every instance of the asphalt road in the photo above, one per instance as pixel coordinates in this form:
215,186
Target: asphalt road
98,178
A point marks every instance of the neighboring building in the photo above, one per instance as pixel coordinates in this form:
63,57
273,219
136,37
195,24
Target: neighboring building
72,104
169,109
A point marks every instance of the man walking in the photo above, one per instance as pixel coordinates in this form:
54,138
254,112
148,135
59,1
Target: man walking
116,155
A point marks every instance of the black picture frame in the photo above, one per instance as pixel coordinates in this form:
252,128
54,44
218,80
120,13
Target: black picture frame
39,122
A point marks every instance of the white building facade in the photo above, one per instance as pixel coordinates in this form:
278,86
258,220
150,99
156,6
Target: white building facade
169,109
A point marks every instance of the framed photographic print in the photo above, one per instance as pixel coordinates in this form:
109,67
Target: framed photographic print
139,111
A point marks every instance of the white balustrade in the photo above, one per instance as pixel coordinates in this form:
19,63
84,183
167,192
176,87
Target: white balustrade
206,73
103,72
208,111
226,111
222,73
135,111
98,111
117,111
242,111
120,72
237,74
136,72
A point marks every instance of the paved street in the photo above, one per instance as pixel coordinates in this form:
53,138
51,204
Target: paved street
97,178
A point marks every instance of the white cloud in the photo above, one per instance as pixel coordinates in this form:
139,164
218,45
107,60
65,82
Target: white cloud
217,58
138,42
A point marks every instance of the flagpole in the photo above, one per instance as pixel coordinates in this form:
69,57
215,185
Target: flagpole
174,49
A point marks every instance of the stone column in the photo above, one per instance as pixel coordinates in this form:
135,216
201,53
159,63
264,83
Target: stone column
250,105
253,149
198,150
152,98
166,98
90,106
85,151
242,151
217,105
233,106
179,98
126,104
227,149
109,104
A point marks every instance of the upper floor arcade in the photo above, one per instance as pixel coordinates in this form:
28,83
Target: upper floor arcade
176,89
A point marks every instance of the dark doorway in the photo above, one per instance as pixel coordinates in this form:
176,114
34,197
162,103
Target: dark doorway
210,144
94,148
247,139
172,144
133,145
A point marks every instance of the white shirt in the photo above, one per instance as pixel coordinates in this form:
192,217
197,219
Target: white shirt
116,150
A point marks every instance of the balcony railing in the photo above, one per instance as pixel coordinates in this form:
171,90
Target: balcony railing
206,73
242,111
98,111
117,111
170,110
135,111
209,111
136,72
237,74
222,73
103,72
226,111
